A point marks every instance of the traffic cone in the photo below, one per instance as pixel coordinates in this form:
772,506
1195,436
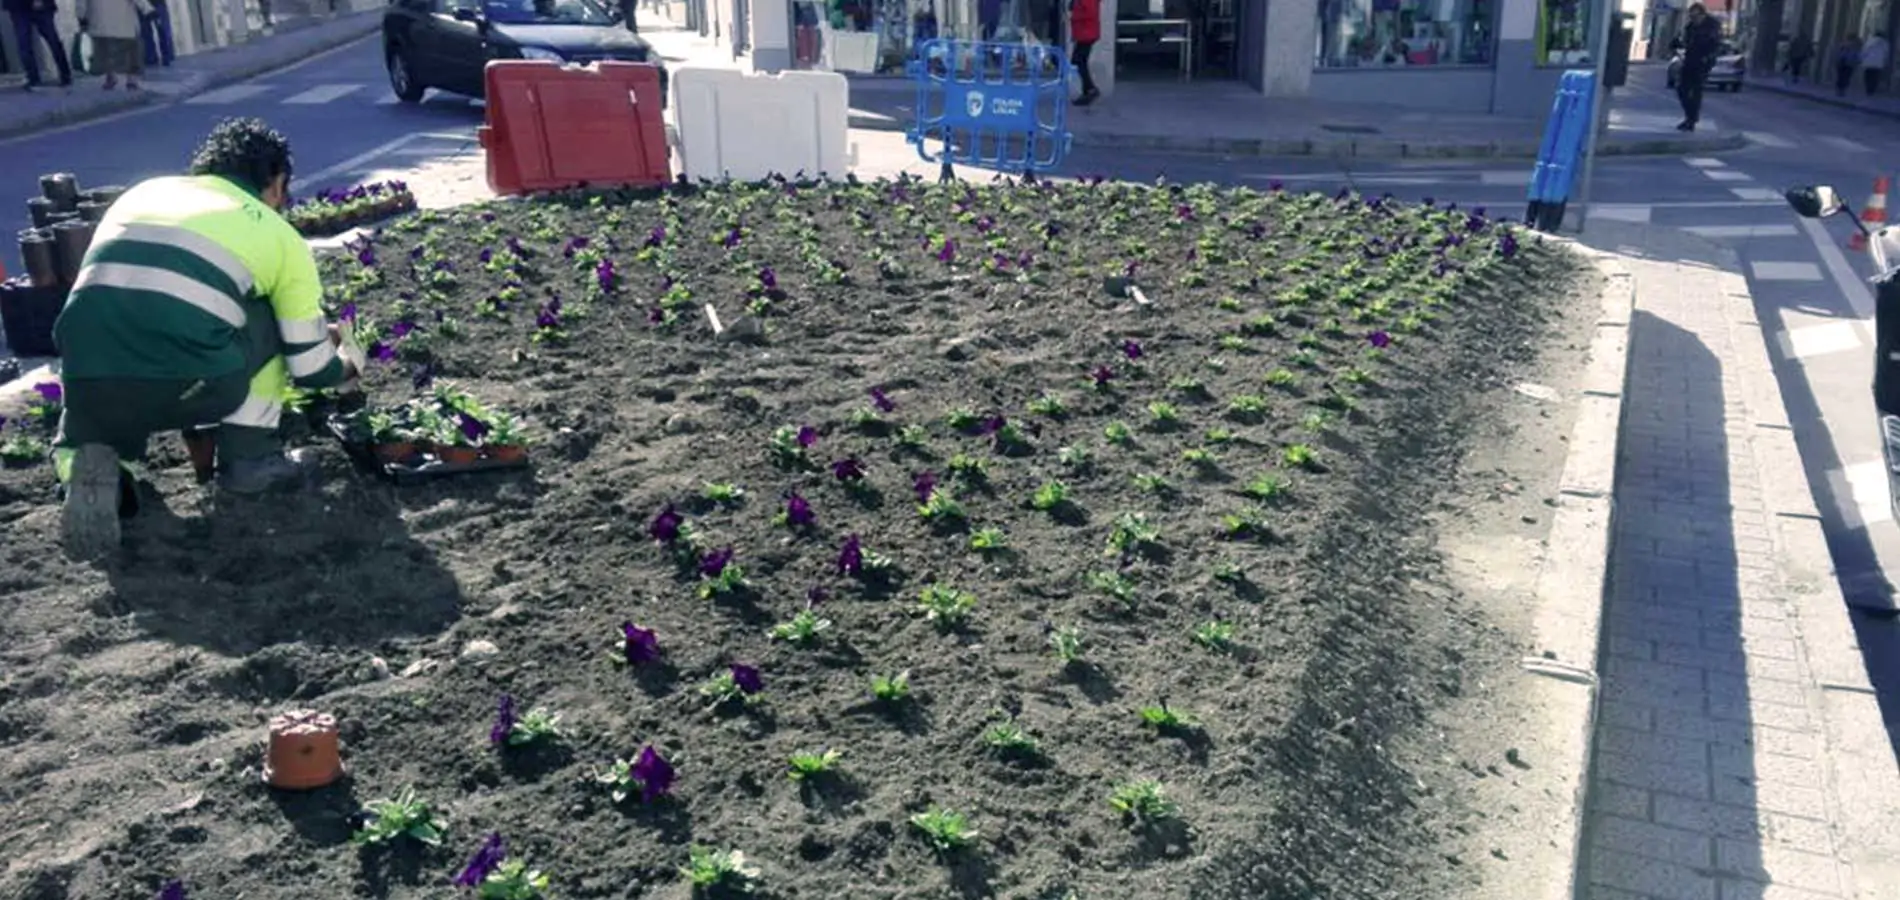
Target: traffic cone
1874,216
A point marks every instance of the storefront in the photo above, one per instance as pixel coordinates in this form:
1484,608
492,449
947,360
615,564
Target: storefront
1502,56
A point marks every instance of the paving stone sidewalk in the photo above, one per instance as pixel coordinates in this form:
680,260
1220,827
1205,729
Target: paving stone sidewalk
1740,753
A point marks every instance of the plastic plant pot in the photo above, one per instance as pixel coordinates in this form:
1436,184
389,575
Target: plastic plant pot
304,753
457,455
61,188
393,451
506,453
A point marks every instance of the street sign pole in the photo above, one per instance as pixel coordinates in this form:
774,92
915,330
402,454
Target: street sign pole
1605,9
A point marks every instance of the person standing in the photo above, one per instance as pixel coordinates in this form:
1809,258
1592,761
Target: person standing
1800,50
1085,28
155,35
1873,63
1701,42
114,26
38,18
1846,60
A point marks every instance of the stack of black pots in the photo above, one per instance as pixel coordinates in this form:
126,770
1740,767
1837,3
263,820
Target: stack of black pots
63,221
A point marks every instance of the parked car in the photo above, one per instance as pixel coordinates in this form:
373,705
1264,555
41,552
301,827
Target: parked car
1727,74
446,44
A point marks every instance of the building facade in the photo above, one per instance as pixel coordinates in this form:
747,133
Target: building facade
1466,56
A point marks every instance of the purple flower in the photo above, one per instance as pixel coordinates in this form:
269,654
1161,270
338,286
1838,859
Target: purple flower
1184,211
1026,260
485,861
366,255
666,526
3,421
851,556
1256,231
382,352
1379,339
486,217
1131,349
654,772
807,436
514,246
849,469
401,329
715,562
984,224
747,678
768,279
575,245
641,645
173,890
798,512
472,428
925,484
992,425
604,274
504,720
816,595
486,256
656,237
882,401
49,391
347,313
732,237
1103,375
1507,245
948,252
549,316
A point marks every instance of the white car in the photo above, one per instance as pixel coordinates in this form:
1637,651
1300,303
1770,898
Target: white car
1725,76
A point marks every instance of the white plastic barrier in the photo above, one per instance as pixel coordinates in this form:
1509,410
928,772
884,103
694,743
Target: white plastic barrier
746,126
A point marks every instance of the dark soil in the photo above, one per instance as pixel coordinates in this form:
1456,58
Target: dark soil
132,701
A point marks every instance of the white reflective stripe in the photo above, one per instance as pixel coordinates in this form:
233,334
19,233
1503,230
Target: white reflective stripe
257,412
303,331
147,278
184,239
311,361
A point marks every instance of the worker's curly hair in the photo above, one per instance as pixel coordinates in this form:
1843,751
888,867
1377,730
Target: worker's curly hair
244,151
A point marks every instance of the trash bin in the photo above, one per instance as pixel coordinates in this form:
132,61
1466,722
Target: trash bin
27,313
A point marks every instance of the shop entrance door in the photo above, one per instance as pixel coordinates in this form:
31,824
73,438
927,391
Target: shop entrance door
1167,40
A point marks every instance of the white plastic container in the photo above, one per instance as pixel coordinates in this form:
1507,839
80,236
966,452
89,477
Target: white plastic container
745,125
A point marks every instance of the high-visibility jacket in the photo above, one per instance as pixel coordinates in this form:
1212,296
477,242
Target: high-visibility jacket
163,291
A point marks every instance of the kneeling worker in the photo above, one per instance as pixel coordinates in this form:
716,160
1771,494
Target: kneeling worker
197,305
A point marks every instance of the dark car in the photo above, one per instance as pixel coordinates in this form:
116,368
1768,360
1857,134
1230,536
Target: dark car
446,44
1725,76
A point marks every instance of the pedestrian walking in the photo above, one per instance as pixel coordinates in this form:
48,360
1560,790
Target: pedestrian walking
1846,62
1085,28
1701,42
155,35
1873,63
38,18
114,26
1800,50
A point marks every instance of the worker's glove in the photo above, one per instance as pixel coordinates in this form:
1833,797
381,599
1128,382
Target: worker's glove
354,359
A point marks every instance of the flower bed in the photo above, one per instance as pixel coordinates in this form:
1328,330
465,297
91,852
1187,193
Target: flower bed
338,210
945,568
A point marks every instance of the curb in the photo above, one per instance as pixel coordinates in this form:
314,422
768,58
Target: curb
1573,583
1361,149
354,27
1826,100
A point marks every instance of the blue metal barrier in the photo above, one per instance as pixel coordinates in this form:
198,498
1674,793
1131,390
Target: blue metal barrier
1001,106
1559,158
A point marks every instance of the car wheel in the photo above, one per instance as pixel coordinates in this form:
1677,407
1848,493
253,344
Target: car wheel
402,77
1735,88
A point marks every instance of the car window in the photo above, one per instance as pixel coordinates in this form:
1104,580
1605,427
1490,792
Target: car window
546,12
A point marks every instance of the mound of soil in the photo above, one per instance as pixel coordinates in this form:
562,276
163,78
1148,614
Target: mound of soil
1245,456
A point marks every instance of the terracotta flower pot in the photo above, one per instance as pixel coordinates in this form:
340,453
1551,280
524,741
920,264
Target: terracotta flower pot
458,456
304,751
507,453
393,451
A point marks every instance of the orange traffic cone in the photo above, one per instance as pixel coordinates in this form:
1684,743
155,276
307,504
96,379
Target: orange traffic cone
1874,216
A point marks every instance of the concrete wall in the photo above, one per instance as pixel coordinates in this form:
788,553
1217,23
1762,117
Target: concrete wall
1292,32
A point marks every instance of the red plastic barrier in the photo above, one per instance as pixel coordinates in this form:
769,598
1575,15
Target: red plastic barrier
551,126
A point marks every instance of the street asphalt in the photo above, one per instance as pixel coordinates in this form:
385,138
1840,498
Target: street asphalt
338,111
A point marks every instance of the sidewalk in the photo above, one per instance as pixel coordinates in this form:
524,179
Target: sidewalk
1740,753
294,39
1884,105
1232,119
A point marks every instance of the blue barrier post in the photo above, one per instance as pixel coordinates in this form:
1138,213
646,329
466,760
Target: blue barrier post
1557,169
999,105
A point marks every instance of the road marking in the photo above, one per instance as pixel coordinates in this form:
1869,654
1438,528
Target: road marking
1725,175
1786,271
1867,484
1705,162
323,93
1741,231
1756,193
1851,285
355,163
1516,178
1841,143
231,94
1821,340
1620,212
1767,139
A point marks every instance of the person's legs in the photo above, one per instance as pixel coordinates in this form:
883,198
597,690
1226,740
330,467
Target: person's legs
23,42
251,458
103,428
1843,77
1081,62
48,27
1689,95
167,50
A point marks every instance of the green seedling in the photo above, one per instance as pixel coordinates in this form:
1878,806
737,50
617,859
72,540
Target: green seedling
406,816
1143,801
1282,378
813,766
20,448
971,469
1118,433
1051,495
1067,643
942,507
988,540
946,831
1153,484
1114,584
1050,406
535,725
1217,436
1164,720
1009,739
1163,415
1076,458
1188,386
1356,375
1215,636
891,689
946,607
785,449
722,493
1247,406
1300,456
1199,457
1241,525
1316,422
961,419
804,629
913,436
1131,531
707,869
1267,487
513,880
1230,573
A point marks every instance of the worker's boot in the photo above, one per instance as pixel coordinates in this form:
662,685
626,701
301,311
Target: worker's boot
290,470
89,518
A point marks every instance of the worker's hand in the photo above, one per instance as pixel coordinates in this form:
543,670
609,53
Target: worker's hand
336,335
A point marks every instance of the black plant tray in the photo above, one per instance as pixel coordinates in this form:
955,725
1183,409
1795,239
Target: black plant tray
422,467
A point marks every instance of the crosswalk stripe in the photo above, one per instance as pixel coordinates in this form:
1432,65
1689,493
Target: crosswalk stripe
1741,231
231,94
1867,486
1725,175
323,93
1755,193
1768,139
1845,144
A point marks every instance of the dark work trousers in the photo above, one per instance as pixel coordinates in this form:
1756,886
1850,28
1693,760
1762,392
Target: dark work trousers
1871,78
1689,93
1081,61
25,27
155,34
1843,76
124,413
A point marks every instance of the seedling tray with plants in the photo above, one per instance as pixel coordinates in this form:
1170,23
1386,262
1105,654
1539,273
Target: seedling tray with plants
447,431
337,210
1003,540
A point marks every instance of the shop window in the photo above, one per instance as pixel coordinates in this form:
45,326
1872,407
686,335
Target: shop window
882,36
1564,32
1379,34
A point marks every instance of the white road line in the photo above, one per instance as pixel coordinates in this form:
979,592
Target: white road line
1705,162
1851,285
323,93
1867,485
1514,178
1768,139
356,162
231,94
1725,175
1620,212
1756,193
1786,271
1821,340
1841,143
1741,231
